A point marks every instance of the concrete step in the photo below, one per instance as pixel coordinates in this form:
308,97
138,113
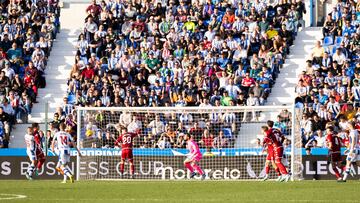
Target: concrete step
17,141
59,65
283,92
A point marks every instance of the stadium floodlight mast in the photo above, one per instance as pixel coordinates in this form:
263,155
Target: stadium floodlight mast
229,137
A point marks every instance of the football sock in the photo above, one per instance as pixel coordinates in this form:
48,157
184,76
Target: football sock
198,169
122,167
267,169
277,170
66,171
132,168
337,174
40,163
282,168
347,172
31,170
188,166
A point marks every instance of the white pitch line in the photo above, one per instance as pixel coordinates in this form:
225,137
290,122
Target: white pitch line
11,196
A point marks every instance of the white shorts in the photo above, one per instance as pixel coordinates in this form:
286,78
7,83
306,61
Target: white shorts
64,156
355,156
31,154
57,153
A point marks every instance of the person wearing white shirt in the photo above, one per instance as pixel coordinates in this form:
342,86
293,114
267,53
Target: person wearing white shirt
330,79
210,34
251,101
306,125
355,91
343,123
229,120
125,119
157,126
339,57
9,72
232,89
216,43
321,139
205,103
301,90
333,107
135,125
163,143
8,108
238,25
231,43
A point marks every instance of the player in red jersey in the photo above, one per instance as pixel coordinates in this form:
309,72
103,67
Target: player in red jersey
334,145
275,138
270,160
125,140
40,156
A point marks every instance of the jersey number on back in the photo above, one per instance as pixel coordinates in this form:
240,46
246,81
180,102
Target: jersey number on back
63,140
278,136
126,140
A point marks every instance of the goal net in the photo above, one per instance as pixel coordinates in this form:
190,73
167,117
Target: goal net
229,138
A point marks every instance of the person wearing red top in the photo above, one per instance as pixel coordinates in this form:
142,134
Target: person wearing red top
229,15
270,159
247,82
3,54
40,156
93,8
334,144
88,72
138,23
31,70
275,138
196,132
207,140
125,140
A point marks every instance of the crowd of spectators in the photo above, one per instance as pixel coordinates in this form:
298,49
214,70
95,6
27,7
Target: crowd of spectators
181,53
328,90
27,31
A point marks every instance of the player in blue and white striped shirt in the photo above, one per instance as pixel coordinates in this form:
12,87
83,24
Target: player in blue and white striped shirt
355,90
353,151
31,152
63,140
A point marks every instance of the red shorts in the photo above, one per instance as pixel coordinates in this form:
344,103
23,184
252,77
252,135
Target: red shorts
127,154
40,154
335,156
270,154
278,153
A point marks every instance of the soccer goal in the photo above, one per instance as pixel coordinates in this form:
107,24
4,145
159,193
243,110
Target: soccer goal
229,138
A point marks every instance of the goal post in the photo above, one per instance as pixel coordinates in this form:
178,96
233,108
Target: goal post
229,139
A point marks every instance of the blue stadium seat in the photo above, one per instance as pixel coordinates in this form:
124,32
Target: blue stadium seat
333,50
328,41
227,132
71,99
338,40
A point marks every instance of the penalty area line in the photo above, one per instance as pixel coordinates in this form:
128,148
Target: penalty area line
4,196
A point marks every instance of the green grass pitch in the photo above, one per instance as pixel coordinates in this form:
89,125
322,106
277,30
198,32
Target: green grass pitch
179,191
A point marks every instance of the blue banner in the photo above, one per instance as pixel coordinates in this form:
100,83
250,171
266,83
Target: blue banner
164,152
